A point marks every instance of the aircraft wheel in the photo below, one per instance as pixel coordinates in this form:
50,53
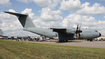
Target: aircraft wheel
61,40
66,40
90,40
87,39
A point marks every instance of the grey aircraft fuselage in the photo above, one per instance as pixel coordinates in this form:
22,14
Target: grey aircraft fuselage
86,33
55,33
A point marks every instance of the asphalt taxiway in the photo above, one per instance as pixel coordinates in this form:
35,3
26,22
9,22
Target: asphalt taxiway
83,43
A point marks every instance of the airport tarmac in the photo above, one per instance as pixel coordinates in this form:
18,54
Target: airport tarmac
82,43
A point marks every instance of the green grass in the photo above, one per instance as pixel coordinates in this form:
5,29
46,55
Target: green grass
24,50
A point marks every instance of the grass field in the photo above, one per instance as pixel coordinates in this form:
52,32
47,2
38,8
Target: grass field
24,50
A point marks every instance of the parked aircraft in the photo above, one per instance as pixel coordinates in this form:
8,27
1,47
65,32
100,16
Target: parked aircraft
62,34
4,36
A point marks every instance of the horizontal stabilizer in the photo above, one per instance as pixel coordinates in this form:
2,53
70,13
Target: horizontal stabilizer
16,14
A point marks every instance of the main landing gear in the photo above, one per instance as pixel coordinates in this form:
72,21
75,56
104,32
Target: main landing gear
63,40
90,40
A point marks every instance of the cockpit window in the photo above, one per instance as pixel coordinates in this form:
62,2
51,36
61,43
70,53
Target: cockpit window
96,31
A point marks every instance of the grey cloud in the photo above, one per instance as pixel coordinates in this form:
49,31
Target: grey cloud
5,3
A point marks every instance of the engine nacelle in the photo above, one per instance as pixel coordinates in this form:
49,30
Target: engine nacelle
70,30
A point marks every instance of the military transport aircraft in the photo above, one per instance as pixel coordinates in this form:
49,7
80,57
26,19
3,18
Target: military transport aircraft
62,34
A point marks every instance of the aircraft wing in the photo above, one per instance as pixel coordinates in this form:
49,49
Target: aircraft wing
62,30
62,34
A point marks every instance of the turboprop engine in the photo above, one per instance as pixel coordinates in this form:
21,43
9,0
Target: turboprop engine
70,31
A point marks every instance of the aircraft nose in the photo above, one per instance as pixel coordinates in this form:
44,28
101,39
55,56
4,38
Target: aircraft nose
99,34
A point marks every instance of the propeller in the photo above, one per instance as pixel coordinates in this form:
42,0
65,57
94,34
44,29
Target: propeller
78,31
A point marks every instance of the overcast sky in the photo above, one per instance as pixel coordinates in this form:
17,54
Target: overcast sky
53,13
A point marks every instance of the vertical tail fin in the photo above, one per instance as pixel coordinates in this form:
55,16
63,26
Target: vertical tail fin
1,32
24,19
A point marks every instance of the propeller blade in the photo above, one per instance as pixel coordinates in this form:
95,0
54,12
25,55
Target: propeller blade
78,29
